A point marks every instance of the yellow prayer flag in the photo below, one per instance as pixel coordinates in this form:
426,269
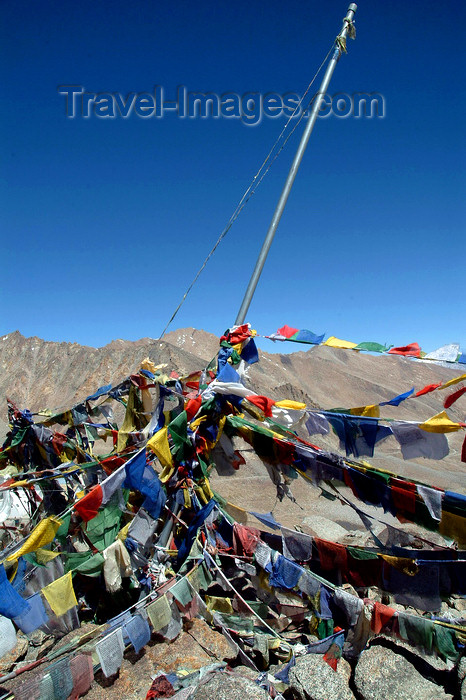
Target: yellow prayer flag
42,534
240,515
43,556
221,425
287,403
456,380
60,594
148,365
204,484
452,526
333,342
159,613
373,411
166,474
123,534
440,423
194,425
220,604
158,443
15,484
406,566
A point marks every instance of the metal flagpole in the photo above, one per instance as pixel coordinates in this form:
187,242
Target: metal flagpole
341,38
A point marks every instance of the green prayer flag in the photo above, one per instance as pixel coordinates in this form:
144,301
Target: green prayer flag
103,529
361,553
62,531
371,347
444,642
85,563
178,429
325,628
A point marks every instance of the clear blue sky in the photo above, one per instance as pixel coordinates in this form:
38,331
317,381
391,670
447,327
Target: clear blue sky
105,222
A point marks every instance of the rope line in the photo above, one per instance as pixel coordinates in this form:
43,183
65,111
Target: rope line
255,182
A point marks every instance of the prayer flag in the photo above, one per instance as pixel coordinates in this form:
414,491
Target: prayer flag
412,350
440,423
333,342
42,534
60,594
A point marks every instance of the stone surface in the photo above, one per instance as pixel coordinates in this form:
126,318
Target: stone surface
184,653
313,679
211,641
462,677
381,674
325,528
226,686
344,670
432,662
18,652
459,603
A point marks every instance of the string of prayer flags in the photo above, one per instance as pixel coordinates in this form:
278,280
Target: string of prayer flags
447,353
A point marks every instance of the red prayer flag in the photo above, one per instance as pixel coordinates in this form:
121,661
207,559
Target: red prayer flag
412,350
284,451
88,506
404,498
454,397
331,555
192,407
287,331
263,403
427,389
381,616
238,335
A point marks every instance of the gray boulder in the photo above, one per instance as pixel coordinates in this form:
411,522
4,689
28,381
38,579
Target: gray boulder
229,686
462,677
382,674
313,679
